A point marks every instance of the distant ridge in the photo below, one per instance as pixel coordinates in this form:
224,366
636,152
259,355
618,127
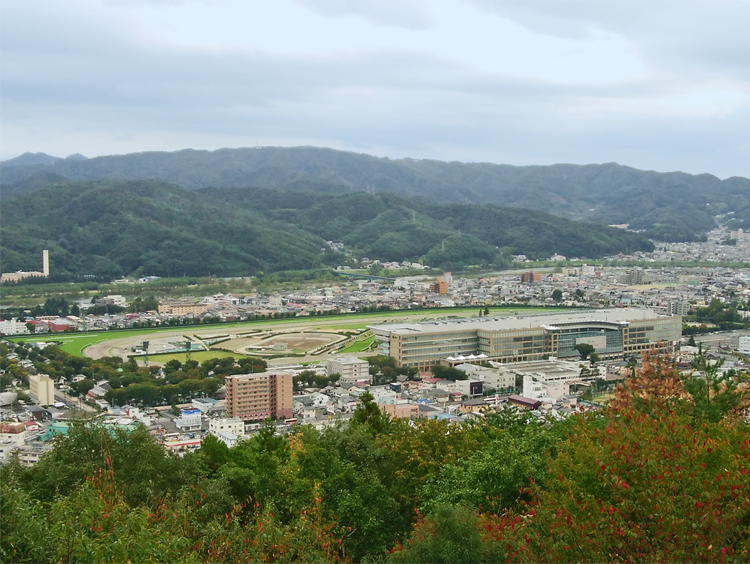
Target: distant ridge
672,206
31,159
76,157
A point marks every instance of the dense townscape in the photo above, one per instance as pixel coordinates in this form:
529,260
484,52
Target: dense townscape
357,281
258,402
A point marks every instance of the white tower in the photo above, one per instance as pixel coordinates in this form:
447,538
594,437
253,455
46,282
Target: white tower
45,263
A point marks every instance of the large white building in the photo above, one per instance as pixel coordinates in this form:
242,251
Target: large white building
612,332
351,368
13,327
233,425
494,378
189,420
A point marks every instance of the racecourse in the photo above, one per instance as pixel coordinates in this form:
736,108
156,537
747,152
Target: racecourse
123,342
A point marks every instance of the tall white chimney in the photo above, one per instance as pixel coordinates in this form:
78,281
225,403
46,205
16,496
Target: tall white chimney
45,263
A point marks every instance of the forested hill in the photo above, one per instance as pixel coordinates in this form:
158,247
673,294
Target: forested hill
671,206
109,229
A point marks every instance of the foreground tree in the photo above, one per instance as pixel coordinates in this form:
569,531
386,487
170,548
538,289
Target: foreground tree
652,478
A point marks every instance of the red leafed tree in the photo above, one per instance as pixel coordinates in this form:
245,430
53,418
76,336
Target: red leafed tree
646,480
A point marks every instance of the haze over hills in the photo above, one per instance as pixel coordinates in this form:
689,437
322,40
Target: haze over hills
667,206
107,229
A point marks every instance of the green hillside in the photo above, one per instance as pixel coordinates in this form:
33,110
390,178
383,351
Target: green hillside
658,203
108,229
389,226
111,229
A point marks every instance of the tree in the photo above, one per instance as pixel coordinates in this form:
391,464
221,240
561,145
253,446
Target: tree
450,535
369,414
486,311
557,295
691,341
585,349
715,394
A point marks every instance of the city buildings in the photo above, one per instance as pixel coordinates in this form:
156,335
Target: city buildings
258,396
612,333
530,276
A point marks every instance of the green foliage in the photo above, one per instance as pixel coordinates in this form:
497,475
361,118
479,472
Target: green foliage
491,478
585,349
369,415
106,229
715,395
448,373
670,206
449,535
660,474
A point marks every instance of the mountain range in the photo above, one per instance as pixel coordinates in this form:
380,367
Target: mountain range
106,229
671,206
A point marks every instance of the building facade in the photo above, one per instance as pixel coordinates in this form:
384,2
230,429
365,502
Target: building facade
13,327
612,332
42,388
351,368
233,425
530,276
253,397
182,308
678,307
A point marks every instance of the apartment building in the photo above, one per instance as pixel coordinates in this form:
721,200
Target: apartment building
351,368
253,397
42,388
13,327
182,308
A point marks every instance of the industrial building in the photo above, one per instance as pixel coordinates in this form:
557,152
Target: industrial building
612,332
22,275
253,397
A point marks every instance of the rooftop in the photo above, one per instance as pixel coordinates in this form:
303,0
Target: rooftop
621,315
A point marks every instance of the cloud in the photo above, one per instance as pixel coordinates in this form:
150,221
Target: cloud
412,14
472,85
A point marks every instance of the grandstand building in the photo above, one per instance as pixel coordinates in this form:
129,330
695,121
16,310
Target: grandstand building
612,332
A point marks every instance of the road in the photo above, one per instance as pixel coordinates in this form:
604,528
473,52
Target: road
73,402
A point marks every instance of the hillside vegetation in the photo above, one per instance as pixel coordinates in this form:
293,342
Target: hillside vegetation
106,229
668,206
660,475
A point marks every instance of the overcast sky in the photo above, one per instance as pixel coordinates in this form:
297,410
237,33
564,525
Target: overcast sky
654,85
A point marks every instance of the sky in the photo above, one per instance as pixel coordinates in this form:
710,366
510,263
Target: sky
658,85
